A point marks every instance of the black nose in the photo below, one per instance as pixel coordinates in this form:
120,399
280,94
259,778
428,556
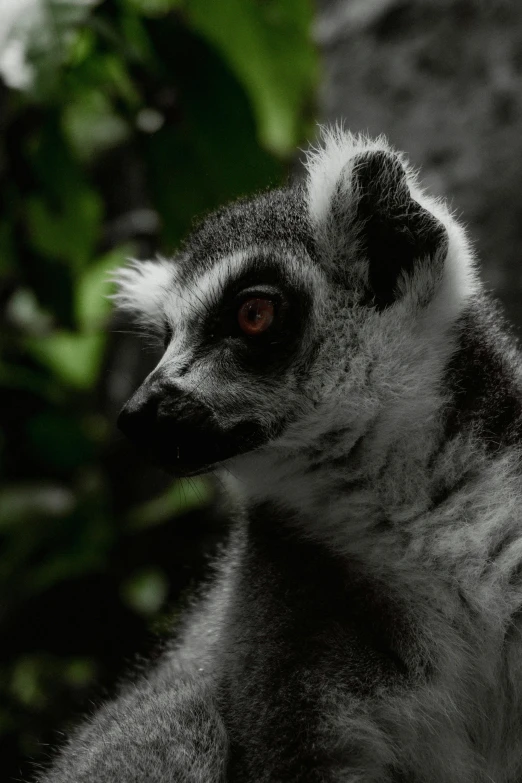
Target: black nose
174,430
138,419
166,425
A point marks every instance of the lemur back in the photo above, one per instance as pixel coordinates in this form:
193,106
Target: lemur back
329,348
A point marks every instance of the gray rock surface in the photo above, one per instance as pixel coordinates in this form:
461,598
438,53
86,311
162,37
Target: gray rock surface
442,79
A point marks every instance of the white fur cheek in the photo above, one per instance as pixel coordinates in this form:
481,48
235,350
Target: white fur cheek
142,288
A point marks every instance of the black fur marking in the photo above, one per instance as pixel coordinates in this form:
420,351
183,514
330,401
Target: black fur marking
438,450
268,354
515,578
394,230
514,628
502,545
464,601
445,492
319,454
384,524
328,624
484,393
400,776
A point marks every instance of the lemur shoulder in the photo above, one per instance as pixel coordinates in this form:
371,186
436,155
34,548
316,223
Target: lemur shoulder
331,345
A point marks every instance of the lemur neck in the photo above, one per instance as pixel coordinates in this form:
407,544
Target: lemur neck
364,451
372,467
399,451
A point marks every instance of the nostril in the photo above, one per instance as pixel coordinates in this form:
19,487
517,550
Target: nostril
137,420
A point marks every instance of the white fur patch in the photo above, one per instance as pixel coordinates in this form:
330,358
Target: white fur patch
324,166
325,163
142,288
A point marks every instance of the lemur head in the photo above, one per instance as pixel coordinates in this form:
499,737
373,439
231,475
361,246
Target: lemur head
300,311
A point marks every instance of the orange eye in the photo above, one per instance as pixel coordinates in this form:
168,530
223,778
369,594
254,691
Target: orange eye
256,316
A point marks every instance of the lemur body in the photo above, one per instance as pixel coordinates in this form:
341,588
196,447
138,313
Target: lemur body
365,623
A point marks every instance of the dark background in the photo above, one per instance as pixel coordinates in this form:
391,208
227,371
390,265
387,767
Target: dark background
128,119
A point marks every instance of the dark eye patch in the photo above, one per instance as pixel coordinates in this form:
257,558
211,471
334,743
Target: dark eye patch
228,322
274,347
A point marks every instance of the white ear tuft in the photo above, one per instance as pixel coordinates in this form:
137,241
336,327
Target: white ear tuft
326,162
329,167
142,287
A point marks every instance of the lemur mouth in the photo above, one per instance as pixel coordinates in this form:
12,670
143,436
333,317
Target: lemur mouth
183,448
181,457
176,471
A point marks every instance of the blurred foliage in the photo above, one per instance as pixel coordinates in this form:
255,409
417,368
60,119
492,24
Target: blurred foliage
133,117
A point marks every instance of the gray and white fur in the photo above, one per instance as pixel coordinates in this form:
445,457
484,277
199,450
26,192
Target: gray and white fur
365,622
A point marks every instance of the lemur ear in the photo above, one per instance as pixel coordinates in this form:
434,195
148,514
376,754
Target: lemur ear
394,232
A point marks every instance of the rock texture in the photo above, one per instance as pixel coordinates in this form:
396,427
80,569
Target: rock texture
443,80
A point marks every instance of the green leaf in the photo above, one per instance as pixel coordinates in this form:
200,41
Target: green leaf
153,7
7,252
145,591
61,441
24,312
82,46
92,125
93,287
49,42
184,495
74,357
25,502
196,164
20,378
69,231
36,678
269,48
137,44
80,672
26,684
116,76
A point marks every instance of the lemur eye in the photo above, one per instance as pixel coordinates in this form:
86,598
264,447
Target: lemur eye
255,316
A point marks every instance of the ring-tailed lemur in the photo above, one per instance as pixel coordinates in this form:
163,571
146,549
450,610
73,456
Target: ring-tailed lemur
331,345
